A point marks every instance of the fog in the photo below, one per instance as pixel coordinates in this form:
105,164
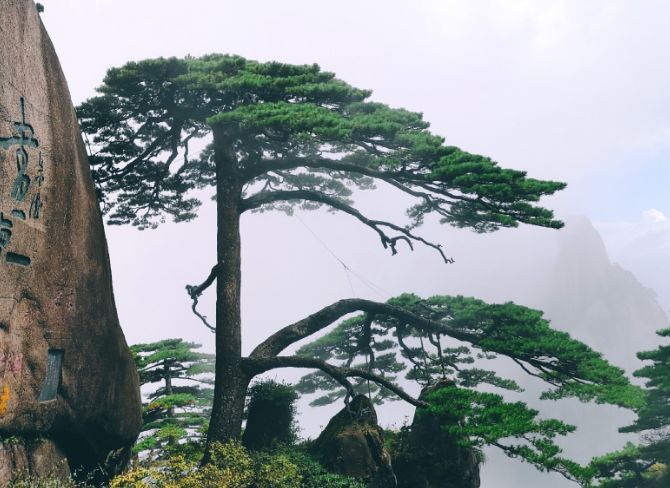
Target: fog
567,90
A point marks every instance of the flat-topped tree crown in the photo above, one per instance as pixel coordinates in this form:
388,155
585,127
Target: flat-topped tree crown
299,136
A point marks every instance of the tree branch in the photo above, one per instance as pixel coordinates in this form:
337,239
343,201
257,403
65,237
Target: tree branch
301,329
515,452
268,197
439,198
409,354
319,163
340,374
554,373
195,291
367,339
155,144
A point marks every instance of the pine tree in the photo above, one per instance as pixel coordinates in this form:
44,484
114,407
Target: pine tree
386,346
287,137
646,465
177,411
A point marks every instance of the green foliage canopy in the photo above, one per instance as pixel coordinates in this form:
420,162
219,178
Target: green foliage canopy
301,137
459,336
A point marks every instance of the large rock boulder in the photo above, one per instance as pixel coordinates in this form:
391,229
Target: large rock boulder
66,374
428,457
352,444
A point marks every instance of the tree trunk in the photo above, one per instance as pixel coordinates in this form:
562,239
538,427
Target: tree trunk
231,382
168,384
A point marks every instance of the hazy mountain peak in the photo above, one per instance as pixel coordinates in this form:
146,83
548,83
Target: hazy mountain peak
599,301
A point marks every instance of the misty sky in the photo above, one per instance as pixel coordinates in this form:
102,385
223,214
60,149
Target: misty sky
567,90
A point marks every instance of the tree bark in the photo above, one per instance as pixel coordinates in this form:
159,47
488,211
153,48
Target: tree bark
231,381
168,384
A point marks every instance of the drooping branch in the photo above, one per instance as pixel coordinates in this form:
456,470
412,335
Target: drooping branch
156,145
379,226
438,191
195,291
404,179
407,351
518,452
435,341
259,365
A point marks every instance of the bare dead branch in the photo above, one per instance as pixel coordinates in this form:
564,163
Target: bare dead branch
195,291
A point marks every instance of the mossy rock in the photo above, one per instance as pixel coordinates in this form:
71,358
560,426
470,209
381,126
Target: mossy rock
428,457
352,444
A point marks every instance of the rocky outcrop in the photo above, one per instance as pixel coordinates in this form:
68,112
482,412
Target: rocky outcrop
66,374
352,444
24,459
429,458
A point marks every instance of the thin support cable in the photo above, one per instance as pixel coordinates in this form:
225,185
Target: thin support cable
370,284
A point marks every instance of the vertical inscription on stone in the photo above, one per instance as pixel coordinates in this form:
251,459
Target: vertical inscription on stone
23,138
52,379
36,202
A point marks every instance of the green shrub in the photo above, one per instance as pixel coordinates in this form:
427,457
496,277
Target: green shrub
314,475
232,466
270,415
277,471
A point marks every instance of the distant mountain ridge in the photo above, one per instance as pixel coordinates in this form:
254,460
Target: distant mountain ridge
581,291
598,301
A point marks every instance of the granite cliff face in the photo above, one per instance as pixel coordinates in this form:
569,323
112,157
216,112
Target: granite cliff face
66,374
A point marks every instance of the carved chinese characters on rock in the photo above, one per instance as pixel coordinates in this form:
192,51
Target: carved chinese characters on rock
22,177
24,174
